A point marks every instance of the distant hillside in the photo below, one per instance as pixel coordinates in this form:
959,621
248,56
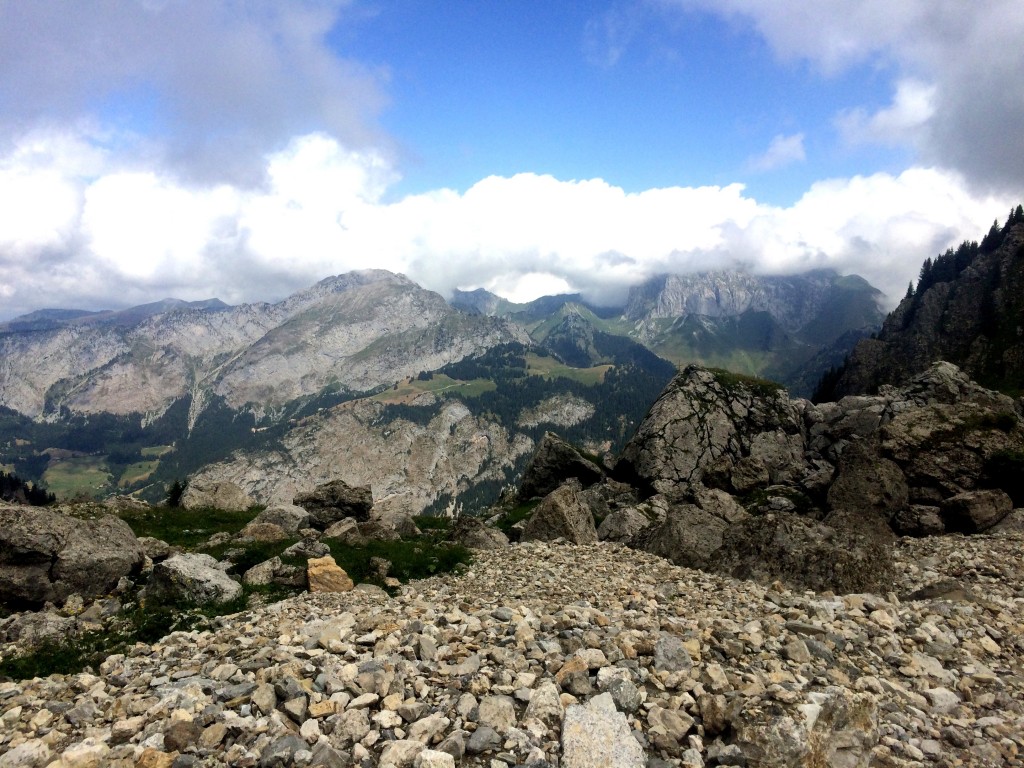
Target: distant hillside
967,308
788,328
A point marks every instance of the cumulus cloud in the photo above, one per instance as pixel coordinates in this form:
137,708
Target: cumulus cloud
902,122
956,70
216,83
110,237
782,151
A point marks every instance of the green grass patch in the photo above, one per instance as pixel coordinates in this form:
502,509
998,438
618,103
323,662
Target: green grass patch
550,368
438,384
432,522
730,382
186,527
137,473
156,451
79,476
414,559
515,515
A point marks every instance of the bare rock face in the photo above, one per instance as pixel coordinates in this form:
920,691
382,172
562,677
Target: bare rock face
45,556
554,462
868,485
562,514
191,578
622,525
718,430
219,494
689,536
334,501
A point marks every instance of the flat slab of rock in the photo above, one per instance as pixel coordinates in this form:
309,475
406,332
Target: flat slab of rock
596,735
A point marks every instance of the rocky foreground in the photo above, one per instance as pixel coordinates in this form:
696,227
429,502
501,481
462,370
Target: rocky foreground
552,654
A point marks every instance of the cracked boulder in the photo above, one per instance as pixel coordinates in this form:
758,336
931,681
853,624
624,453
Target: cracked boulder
46,556
716,429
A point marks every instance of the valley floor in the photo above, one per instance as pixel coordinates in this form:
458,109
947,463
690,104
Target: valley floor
490,666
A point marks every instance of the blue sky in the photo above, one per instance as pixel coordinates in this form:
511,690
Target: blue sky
641,97
198,148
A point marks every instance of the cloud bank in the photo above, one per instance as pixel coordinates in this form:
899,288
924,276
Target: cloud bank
220,148
83,231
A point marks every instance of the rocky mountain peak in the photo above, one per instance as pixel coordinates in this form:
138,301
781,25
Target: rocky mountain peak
966,308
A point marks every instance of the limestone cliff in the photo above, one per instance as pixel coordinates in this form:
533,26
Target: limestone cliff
355,331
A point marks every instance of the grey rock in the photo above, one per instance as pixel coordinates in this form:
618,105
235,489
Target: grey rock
554,462
46,556
219,494
562,514
192,578
807,554
335,501
346,531
474,533
288,517
622,525
975,511
484,739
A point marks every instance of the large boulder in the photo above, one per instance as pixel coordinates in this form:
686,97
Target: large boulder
191,578
554,462
45,556
719,429
868,484
562,514
336,500
689,536
219,494
807,554
474,533
975,511
288,517
945,430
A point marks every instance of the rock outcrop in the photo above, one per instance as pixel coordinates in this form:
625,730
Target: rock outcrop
218,494
334,501
554,462
726,473
46,556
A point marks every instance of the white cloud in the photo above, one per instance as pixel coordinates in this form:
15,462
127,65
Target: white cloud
220,82
902,122
782,151
956,68
114,237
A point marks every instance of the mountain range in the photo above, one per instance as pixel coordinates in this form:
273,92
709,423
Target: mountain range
434,402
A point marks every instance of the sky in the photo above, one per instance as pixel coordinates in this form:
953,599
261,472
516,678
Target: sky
244,149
